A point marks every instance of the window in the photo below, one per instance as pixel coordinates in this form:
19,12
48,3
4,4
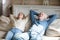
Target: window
4,1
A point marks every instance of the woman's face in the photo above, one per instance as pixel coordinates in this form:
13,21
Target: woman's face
20,15
42,16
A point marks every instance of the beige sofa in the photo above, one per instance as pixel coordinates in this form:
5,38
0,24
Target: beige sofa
51,33
6,24
40,8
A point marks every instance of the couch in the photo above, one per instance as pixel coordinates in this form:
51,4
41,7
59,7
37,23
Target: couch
52,33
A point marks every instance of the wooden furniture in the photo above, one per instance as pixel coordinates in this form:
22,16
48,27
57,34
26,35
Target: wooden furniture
0,7
36,2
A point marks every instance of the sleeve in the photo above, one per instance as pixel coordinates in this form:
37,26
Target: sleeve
32,13
51,18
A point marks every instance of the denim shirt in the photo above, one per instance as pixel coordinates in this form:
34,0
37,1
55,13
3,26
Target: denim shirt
44,23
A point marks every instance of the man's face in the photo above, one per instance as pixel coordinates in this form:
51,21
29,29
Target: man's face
42,16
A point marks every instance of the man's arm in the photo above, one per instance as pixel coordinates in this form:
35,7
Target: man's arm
32,13
51,19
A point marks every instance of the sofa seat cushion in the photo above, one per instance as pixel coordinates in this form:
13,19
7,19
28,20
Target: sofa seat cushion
50,38
46,38
2,34
5,23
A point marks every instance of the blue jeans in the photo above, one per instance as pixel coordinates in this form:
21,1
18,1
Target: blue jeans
16,34
35,33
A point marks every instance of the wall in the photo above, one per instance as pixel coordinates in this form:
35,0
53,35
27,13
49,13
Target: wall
30,2
55,2
27,2
38,8
17,1
36,2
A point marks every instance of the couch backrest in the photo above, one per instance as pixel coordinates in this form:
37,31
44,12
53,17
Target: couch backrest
26,8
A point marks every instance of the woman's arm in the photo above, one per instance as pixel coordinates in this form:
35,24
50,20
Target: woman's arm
32,13
51,19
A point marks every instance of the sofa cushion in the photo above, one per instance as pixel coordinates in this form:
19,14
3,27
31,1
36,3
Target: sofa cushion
5,23
54,28
28,25
46,38
50,38
2,34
